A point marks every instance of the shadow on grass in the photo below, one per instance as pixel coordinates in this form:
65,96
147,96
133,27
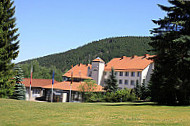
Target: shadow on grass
139,103
131,104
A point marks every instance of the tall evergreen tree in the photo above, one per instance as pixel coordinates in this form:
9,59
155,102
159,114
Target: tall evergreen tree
8,46
137,90
19,90
111,82
170,82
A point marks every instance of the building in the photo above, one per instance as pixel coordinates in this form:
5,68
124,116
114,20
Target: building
61,91
128,70
37,87
42,89
131,70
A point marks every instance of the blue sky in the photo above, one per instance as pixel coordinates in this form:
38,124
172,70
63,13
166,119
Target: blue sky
53,26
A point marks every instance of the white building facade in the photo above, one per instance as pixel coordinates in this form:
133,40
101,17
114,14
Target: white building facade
128,70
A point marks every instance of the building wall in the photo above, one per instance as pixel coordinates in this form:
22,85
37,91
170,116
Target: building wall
100,72
146,73
35,92
94,71
122,78
63,95
97,71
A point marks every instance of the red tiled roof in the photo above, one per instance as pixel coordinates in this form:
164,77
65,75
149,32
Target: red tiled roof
79,71
37,82
65,85
134,63
98,59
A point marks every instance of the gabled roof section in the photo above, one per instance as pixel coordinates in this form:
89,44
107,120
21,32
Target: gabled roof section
134,63
79,71
65,85
98,59
37,82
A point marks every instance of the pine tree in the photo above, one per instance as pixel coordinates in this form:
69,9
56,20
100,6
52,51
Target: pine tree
8,47
137,90
143,91
111,82
19,90
170,82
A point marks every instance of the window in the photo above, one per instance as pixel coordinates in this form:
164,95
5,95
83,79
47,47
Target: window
138,74
65,78
36,91
126,82
132,82
90,74
120,73
120,82
132,74
126,73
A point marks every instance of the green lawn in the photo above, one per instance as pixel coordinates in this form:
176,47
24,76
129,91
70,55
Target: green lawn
14,112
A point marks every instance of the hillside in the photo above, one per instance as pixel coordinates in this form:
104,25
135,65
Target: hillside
106,49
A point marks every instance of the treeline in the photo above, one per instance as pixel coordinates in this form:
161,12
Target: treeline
106,49
40,72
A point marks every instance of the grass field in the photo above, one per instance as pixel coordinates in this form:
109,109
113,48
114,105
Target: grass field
14,112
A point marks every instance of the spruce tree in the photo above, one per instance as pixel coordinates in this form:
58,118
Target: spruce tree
111,82
137,90
143,91
170,82
8,46
19,90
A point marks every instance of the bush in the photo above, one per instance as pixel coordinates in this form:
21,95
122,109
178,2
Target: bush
96,97
119,96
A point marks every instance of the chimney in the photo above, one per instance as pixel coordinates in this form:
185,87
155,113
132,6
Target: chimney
146,55
121,58
133,56
79,64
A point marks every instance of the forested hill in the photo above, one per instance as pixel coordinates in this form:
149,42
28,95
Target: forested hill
106,49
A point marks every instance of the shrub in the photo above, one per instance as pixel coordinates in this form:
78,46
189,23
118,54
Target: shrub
120,96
